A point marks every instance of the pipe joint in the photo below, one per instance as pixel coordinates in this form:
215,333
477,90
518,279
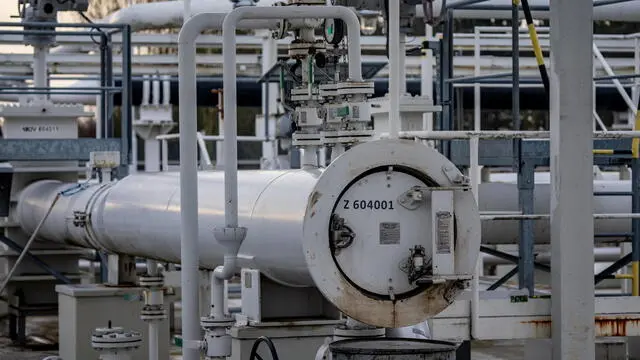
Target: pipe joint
217,342
230,238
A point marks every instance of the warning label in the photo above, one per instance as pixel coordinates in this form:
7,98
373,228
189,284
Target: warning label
389,233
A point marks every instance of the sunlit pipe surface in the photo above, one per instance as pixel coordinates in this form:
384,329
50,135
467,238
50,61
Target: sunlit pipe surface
140,215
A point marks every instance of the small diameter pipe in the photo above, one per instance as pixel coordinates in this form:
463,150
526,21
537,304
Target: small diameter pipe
394,68
507,134
616,82
189,171
229,77
233,235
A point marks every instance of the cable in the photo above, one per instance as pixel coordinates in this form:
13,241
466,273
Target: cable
29,242
254,350
536,44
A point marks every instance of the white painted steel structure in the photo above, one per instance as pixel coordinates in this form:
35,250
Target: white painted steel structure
571,105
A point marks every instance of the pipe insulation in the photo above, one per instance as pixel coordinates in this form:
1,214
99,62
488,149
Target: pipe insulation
140,215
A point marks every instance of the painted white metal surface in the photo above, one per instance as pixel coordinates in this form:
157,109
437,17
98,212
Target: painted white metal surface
280,208
140,215
502,317
370,209
570,152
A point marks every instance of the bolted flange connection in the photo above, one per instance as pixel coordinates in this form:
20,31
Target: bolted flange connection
110,340
153,309
217,340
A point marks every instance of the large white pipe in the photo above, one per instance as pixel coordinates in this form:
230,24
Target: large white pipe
272,205
503,197
627,11
140,215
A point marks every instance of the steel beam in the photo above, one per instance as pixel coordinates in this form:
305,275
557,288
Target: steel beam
54,150
571,107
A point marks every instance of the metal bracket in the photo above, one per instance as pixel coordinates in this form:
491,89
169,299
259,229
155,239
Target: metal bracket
415,197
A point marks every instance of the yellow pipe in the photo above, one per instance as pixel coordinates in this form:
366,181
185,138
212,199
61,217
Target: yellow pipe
635,152
536,44
602,151
635,271
624,276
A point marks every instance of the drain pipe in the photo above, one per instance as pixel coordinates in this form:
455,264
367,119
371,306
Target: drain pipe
189,171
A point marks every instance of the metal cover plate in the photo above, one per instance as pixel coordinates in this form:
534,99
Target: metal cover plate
384,231
338,289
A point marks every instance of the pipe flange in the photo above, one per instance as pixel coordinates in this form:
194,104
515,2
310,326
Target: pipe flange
151,281
208,322
153,312
115,338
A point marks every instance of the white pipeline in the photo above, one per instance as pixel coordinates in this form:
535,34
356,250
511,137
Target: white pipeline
272,205
626,11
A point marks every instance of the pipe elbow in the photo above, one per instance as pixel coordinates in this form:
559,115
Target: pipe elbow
196,24
228,269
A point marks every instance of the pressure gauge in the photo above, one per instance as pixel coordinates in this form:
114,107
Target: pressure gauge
333,31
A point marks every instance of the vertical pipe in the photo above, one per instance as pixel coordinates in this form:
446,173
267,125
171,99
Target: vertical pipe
146,90
40,67
134,149
127,101
109,125
189,184
219,149
101,101
187,10
427,80
402,54
156,91
635,208
151,155
395,68
447,73
477,112
474,176
165,155
571,198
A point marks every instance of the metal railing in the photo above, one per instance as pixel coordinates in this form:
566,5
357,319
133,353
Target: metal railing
205,158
